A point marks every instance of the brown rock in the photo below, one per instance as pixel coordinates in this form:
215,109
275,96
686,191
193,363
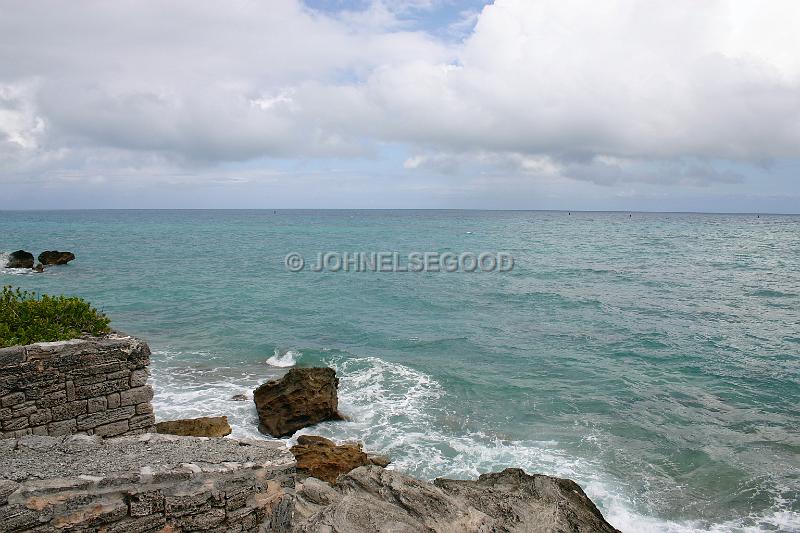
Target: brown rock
320,458
301,398
239,397
206,426
38,268
54,257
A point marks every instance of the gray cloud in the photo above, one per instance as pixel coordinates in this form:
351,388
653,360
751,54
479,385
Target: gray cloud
591,91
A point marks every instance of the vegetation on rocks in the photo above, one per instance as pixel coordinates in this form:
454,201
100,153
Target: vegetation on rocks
26,317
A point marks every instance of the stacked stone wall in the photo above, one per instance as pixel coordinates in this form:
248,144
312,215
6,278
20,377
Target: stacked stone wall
96,386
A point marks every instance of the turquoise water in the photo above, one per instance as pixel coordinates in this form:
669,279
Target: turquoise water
654,359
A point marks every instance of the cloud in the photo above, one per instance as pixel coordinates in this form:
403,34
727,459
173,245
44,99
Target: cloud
604,92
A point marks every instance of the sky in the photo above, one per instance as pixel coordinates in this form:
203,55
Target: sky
625,105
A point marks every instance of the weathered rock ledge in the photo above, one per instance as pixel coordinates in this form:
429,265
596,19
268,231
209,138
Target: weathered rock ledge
144,483
372,499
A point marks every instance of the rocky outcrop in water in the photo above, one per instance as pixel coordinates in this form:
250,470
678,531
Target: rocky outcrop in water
54,257
301,398
20,259
205,426
370,499
321,458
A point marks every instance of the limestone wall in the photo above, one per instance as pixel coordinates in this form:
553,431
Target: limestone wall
96,386
145,483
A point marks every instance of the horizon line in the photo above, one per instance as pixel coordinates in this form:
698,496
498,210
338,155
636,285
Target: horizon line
758,213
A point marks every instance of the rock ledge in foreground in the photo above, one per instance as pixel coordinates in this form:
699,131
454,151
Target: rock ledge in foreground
371,498
144,483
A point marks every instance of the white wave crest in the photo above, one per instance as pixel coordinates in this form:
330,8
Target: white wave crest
284,359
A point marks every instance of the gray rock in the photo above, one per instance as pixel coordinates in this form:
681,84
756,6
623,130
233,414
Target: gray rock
145,483
535,503
371,499
379,459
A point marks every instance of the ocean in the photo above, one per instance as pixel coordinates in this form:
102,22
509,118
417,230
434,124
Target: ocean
653,358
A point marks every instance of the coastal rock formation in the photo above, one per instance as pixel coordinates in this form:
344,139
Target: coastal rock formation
321,458
38,268
205,426
522,502
145,483
20,259
372,499
301,398
54,257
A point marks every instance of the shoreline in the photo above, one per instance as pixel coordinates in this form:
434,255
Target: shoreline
77,431
607,492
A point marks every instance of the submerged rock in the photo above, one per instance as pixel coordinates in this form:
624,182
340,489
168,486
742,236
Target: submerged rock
206,426
54,257
371,498
301,398
239,397
321,458
38,268
20,259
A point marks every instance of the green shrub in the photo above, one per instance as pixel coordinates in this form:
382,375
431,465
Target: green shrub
26,317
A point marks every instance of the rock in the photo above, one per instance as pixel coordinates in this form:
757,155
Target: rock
541,503
379,460
206,426
20,259
301,398
53,257
239,397
311,495
38,268
321,458
370,498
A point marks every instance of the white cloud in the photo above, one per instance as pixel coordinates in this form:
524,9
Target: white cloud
600,91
